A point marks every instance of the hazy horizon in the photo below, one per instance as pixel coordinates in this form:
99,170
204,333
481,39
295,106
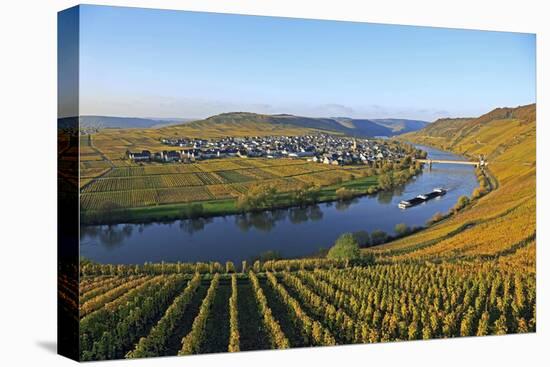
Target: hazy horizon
160,63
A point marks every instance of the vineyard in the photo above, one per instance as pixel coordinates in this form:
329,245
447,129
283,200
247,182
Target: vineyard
141,186
471,273
499,226
173,309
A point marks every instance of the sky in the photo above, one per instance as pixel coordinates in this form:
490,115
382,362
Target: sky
161,63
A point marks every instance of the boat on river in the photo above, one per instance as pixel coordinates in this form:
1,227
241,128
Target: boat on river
422,198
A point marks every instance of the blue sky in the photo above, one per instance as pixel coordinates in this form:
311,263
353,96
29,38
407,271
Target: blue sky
158,63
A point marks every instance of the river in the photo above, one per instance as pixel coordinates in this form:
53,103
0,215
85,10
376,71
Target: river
291,232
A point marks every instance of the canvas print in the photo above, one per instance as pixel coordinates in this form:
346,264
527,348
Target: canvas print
232,183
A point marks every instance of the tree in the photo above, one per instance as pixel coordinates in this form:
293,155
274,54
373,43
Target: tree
346,247
401,177
402,229
193,211
435,218
259,196
372,190
385,181
368,259
362,238
378,237
461,203
344,194
478,192
306,194
108,210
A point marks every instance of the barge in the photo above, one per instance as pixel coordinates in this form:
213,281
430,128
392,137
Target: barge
437,192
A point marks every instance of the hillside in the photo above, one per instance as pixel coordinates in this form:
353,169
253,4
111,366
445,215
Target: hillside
500,226
126,122
464,135
245,124
445,128
401,126
261,122
226,122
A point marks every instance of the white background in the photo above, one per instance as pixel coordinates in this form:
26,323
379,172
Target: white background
28,182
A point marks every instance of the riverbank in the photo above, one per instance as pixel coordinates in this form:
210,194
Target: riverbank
439,219
487,183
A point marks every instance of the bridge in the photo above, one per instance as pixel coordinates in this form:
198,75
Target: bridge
479,163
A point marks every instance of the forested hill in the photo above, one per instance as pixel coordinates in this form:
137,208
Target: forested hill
500,226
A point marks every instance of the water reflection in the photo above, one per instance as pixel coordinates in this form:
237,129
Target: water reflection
267,220
344,205
191,226
262,221
109,235
386,197
315,213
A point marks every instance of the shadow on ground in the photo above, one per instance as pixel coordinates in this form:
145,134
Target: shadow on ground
48,345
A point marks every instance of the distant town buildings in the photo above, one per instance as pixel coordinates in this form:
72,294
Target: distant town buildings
140,156
321,148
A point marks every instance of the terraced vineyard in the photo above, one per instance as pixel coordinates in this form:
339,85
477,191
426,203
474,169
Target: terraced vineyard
500,225
168,309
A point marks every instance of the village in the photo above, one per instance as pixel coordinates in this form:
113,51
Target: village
320,148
